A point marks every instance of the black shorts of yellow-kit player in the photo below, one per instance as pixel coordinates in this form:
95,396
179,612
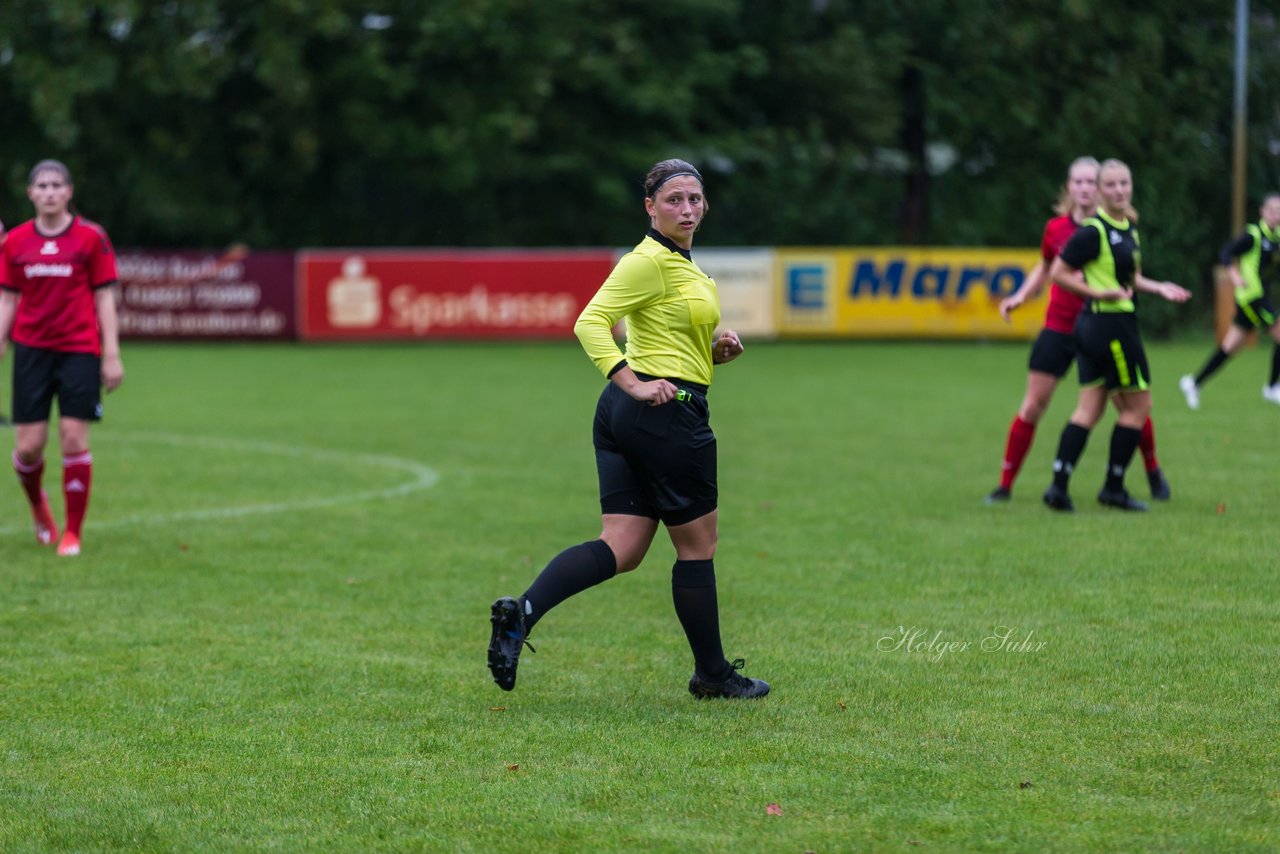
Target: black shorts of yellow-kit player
39,375
656,461
1257,314
1109,351
1052,353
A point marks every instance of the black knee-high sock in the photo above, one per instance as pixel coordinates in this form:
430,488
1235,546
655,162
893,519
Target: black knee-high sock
693,590
1217,360
1070,447
1275,365
570,572
1124,441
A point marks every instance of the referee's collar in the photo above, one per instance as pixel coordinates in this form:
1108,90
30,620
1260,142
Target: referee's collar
669,243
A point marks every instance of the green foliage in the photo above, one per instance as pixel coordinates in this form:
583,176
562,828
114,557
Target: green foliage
273,640
502,122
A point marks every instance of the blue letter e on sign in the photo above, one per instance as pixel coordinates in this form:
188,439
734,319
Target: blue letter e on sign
806,287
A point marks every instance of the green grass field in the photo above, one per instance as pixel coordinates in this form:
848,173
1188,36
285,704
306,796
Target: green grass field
275,637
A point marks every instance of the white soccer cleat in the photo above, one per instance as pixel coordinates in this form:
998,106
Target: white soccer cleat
1271,393
46,528
1192,393
69,545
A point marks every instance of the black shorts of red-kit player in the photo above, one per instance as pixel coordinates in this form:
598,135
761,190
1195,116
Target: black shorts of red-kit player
1052,353
40,375
656,461
693,592
574,570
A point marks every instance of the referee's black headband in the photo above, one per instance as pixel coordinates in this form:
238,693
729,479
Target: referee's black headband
691,172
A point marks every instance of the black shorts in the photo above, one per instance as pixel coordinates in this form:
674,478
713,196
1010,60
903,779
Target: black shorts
1109,351
39,375
656,461
1052,353
1257,314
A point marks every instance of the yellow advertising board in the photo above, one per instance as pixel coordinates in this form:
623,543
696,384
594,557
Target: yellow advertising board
894,292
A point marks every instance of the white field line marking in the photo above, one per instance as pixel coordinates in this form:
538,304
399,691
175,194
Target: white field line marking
421,478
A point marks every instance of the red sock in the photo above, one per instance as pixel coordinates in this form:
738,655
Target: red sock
77,474
1015,450
30,476
1147,444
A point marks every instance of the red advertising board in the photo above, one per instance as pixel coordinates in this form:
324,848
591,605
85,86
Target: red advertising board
479,294
206,295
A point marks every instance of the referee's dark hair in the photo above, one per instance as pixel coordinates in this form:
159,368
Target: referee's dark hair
664,171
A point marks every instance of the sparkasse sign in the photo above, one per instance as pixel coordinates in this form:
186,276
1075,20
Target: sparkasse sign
452,294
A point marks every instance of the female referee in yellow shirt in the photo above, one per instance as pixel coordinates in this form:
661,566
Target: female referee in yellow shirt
655,451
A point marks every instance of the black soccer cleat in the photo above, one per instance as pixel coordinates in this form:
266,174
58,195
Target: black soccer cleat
1159,485
507,640
1056,498
1121,500
735,686
999,495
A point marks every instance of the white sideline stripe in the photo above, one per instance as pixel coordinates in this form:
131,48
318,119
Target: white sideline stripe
422,477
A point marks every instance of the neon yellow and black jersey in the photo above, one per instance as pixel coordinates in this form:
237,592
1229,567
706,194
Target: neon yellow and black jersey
671,308
1109,253
1259,259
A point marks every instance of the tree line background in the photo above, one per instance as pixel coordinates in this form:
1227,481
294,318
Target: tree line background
289,123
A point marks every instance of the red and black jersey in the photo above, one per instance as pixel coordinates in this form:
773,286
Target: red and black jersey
1064,306
55,277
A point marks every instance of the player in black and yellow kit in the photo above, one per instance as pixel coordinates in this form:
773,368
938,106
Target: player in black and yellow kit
1252,260
655,451
1103,263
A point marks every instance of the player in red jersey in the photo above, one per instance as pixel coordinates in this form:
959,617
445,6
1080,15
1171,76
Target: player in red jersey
4,420
57,300
1054,348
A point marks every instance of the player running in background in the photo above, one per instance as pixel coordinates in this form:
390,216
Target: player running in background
1054,348
655,451
1102,262
56,296
1252,262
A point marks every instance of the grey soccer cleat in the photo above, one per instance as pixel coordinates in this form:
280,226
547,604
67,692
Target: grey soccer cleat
734,686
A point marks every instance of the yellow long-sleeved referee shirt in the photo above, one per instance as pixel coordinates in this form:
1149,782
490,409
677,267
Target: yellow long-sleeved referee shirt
671,308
